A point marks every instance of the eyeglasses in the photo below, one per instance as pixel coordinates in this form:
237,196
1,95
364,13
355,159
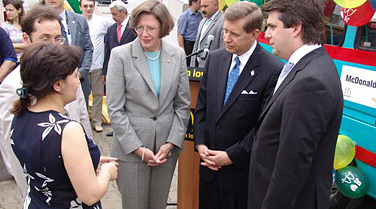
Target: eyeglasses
88,6
59,40
141,29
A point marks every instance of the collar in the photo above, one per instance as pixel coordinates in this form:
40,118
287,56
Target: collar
124,23
213,16
63,15
245,56
302,51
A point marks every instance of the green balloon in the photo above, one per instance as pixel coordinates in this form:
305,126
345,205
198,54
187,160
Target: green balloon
352,182
258,2
344,153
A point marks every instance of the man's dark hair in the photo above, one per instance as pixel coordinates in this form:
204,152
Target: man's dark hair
191,1
38,14
88,0
42,65
309,13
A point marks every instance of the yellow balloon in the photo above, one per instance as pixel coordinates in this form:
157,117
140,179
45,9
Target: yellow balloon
230,2
345,152
350,3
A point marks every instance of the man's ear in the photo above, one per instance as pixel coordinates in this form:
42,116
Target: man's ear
26,38
255,34
297,29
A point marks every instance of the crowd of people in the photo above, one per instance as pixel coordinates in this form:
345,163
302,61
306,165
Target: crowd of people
265,131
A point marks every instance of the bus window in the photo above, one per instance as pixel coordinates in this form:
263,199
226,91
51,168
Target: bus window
333,23
366,35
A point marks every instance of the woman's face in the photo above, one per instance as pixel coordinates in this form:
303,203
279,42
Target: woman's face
148,32
70,86
12,12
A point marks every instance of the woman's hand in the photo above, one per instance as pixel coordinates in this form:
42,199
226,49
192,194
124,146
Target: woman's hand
104,159
111,168
146,155
163,152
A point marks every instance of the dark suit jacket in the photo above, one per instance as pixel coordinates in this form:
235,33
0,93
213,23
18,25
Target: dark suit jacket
225,128
80,36
293,150
111,42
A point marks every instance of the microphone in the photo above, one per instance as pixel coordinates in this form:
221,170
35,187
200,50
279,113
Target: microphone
208,44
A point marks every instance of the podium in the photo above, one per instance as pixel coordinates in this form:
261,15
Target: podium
189,160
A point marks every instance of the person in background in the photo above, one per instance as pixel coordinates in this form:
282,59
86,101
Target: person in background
188,26
75,30
12,26
237,81
118,34
63,170
293,150
148,101
8,57
40,24
98,27
210,25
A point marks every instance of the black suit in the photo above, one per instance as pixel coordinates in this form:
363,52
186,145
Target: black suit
112,42
225,127
293,150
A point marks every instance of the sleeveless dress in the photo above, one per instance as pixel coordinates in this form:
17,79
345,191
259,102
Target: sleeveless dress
36,141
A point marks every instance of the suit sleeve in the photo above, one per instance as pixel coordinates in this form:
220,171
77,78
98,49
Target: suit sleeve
240,152
200,112
123,130
106,52
181,104
305,115
87,50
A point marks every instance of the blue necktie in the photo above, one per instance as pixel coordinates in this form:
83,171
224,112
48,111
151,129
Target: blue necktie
285,71
232,78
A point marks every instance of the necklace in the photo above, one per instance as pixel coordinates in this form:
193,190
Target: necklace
153,59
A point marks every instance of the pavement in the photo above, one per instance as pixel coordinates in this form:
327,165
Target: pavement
10,197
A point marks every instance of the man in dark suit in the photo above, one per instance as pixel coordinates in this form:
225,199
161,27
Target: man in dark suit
75,30
292,155
237,79
117,34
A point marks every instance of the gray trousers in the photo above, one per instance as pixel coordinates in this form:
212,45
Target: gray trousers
143,187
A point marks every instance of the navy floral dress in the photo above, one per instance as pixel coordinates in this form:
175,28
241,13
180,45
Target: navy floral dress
36,141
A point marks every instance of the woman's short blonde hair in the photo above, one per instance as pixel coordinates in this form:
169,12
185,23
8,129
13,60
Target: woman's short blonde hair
159,11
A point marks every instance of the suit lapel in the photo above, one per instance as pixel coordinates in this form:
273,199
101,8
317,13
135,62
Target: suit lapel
167,70
244,79
125,34
142,65
298,67
72,25
213,22
222,81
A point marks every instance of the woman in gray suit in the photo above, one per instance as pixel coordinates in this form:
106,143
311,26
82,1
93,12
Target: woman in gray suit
148,101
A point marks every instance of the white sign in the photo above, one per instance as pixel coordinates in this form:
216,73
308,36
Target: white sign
359,85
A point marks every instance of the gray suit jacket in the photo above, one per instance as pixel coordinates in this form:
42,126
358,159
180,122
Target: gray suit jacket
215,29
138,116
79,30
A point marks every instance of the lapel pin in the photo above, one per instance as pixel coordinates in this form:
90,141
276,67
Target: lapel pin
252,73
168,61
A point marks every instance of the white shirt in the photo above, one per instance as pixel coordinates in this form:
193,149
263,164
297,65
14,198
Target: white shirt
243,58
98,26
124,24
294,58
63,16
